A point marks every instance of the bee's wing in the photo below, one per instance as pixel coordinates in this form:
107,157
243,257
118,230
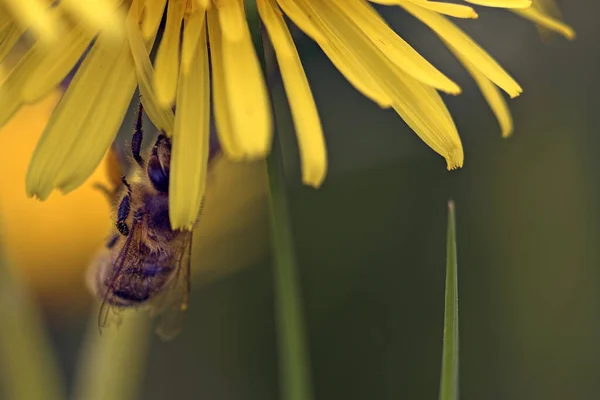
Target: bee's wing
175,298
126,256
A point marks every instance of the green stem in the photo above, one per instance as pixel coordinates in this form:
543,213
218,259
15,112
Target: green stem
111,365
294,372
293,354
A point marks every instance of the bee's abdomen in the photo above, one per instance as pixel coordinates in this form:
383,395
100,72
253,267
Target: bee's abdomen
151,271
131,296
139,286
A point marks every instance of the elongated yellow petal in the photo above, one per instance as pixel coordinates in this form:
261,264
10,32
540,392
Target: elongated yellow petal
5,18
154,12
162,118
10,90
456,38
191,138
57,61
42,58
193,29
419,105
230,144
301,19
450,9
397,50
247,98
203,4
492,95
97,15
502,3
346,61
167,57
35,14
231,19
424,111
9,35
85,121
547,22
313,155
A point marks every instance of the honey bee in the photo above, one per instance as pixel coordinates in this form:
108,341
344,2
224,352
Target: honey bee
145,263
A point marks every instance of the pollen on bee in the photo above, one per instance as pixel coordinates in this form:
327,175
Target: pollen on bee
184,307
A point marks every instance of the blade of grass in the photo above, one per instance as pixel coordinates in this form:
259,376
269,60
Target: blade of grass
449,378
28,364
111,364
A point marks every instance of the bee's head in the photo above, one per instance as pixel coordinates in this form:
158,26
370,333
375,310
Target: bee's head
159,163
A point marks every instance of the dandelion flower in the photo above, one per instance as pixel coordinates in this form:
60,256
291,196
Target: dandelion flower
115,61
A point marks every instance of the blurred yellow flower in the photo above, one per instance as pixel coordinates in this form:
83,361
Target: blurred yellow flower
374,59
48,243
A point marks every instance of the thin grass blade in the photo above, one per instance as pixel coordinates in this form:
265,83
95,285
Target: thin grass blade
449,378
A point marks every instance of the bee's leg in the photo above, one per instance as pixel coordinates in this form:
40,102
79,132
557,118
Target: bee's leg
127,185
201,205
123,211
138,214
138,135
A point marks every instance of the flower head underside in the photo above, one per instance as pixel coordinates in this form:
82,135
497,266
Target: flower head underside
206,66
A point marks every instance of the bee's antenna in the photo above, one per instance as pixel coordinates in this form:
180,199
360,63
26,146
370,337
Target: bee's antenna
138,135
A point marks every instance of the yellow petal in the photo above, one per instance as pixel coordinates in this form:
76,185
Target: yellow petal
97,15
191,137
162,118
85,121
422,108
5,18
231,146
167,57
313,155
547,22
419,105
231,19
23,73
203,4
301,19
450,9
154,12
502,3
191,38
247,98
397,50
11,88
351,65
9,35
456,38
492,95
57,61
36,15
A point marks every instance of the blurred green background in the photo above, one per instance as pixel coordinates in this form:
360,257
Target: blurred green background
371,243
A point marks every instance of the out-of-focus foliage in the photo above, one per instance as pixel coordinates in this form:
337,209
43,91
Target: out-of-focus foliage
28,366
